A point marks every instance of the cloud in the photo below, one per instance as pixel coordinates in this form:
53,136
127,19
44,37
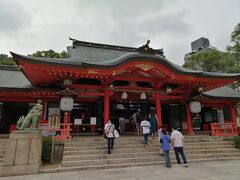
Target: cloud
131,23
31,25
13,17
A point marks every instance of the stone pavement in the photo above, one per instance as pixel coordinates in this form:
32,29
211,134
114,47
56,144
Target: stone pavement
225,170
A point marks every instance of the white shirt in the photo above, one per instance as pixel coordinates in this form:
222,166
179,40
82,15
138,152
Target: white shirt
159,133
109,129
146,127
121,121
177,138
134,117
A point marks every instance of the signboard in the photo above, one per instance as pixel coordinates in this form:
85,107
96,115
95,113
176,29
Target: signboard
93,120
66,104
195,107
77,121
54,121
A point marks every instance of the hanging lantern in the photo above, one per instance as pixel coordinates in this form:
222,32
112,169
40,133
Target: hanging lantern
124,95
195,107
168,89
67,82
143,96
200,89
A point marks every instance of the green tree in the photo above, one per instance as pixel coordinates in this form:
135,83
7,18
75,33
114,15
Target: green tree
50,54
5,60
210,61
234,48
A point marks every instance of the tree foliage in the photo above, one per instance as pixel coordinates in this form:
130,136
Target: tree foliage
234,48
50,54
214,60
210,61
6,60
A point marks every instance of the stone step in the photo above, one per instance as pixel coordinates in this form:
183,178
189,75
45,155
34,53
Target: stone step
2,156
134,150
142,159
73,147
141,154
94,143
139,139
125,165
83,153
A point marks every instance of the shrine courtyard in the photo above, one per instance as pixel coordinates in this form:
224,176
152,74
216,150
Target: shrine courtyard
224,170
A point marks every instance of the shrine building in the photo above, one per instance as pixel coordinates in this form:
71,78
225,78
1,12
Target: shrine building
98,82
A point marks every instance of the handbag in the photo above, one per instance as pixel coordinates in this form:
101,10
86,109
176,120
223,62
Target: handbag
116,135
105,135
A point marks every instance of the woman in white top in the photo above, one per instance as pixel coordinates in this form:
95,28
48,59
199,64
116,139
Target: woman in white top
109,130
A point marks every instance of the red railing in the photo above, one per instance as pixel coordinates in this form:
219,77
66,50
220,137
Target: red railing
224,129
61,133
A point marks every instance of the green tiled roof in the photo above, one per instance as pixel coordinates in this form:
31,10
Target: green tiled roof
11,77
222,92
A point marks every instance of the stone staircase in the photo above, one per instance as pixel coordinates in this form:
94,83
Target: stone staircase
87,153
2,150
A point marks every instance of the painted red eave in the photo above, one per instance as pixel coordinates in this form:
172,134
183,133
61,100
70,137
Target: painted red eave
50,73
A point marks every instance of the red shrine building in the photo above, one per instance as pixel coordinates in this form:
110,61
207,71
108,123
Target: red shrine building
102,82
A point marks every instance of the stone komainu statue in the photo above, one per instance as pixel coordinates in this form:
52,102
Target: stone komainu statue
31,121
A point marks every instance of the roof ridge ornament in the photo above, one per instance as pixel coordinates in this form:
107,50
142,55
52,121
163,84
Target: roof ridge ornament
145,49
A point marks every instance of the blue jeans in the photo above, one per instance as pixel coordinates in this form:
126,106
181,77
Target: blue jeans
179,150
145,138
167,158
110,144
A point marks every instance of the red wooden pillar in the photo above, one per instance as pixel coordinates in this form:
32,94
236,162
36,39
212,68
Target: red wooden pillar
106,106
233,114
158,110
42,118
189,119
65,120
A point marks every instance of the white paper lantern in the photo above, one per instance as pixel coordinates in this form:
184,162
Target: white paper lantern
143,96
195,107
124,95
66,104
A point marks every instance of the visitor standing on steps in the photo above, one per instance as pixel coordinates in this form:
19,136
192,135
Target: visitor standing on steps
122,124
109,131
153,122
146,130
165,140
136,120
177,142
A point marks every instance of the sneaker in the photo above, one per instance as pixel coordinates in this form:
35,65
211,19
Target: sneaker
169,166
180,165
165,166
186,165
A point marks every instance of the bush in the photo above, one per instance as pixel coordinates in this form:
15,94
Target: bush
46,149
237,142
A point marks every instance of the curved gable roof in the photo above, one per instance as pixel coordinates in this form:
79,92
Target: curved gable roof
128,57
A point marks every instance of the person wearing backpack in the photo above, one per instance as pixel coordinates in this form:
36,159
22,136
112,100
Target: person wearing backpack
165,141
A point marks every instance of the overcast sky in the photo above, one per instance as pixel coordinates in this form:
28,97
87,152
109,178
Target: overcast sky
30,25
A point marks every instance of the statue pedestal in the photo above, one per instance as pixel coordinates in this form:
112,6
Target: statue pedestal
23,153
